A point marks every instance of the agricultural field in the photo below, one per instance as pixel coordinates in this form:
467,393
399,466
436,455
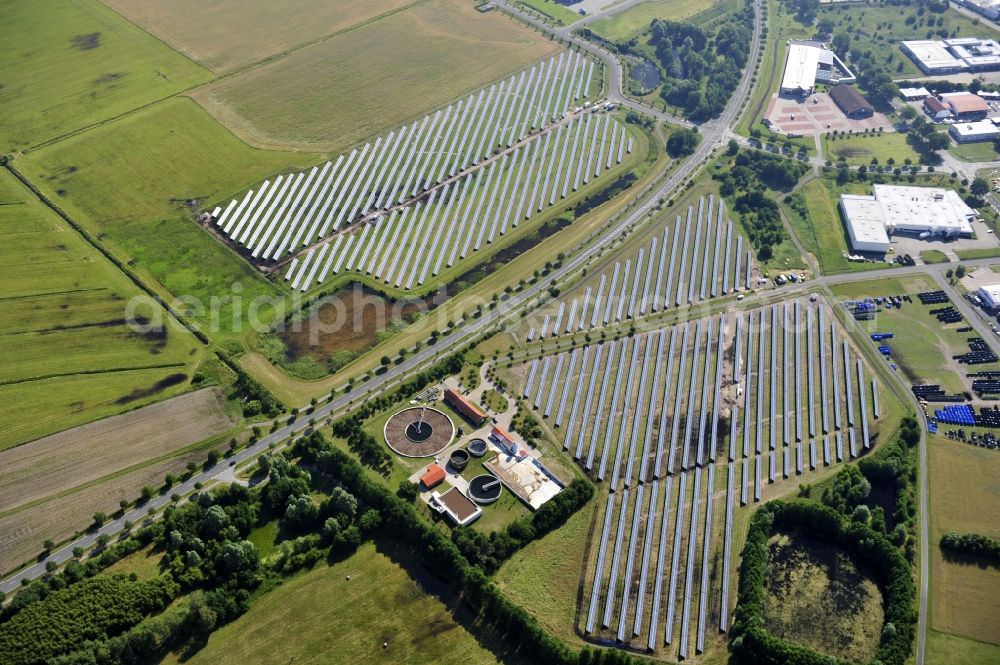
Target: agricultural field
635,20
344,613
413,71
74,64
131,181
382,179
965,593
922,347
231,34
68,353
683,426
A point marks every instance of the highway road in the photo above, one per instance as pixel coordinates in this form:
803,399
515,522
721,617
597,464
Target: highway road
713,133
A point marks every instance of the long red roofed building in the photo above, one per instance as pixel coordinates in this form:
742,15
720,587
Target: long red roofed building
464,407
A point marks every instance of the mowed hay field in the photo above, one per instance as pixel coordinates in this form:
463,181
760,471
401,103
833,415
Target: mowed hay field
67,355
226,34
335,93
629,23
130,179
964,497
68,63
322,617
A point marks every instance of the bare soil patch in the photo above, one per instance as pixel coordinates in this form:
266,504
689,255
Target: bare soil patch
87,453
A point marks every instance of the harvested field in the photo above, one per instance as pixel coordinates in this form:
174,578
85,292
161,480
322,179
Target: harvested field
228,34
67,354
68,64
78,456
58,519
339,91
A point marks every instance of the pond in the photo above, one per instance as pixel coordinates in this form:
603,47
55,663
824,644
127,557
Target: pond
645,74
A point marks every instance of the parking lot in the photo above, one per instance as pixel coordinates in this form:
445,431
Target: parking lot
816,114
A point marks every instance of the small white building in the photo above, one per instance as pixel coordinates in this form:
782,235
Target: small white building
990,295
914,94
974,132
930,212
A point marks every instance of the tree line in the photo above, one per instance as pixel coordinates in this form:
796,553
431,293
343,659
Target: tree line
973,544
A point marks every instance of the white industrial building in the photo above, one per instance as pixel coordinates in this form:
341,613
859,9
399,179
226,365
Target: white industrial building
951,56
988,8
809,62
974,132
892,209
990,295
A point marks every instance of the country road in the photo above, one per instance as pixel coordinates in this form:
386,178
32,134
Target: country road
714,134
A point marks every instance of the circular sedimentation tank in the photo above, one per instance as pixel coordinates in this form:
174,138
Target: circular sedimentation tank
477,447
485,489
459,459
419,432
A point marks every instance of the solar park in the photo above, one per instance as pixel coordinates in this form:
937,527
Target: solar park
654,418
696,257
425,196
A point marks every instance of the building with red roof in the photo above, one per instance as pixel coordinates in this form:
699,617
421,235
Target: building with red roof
433,477
464,407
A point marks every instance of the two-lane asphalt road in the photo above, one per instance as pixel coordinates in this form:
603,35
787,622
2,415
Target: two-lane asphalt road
713,133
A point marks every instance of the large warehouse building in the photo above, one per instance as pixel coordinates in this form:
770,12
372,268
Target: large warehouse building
951,56
809,62
892,209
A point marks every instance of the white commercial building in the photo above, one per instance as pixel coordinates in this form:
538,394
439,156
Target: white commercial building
892,209
988,8
973,132
951,56
807,63
914,94
990,295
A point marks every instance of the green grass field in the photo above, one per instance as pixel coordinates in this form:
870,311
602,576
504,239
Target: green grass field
944,649
322,617
427,56
544,577
72,63
934,256
636,19
859,150
68,356
557,13
974,152
964,497
130,180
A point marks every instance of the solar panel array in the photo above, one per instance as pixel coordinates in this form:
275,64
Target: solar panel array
290,211
649,416
697,257
415,242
